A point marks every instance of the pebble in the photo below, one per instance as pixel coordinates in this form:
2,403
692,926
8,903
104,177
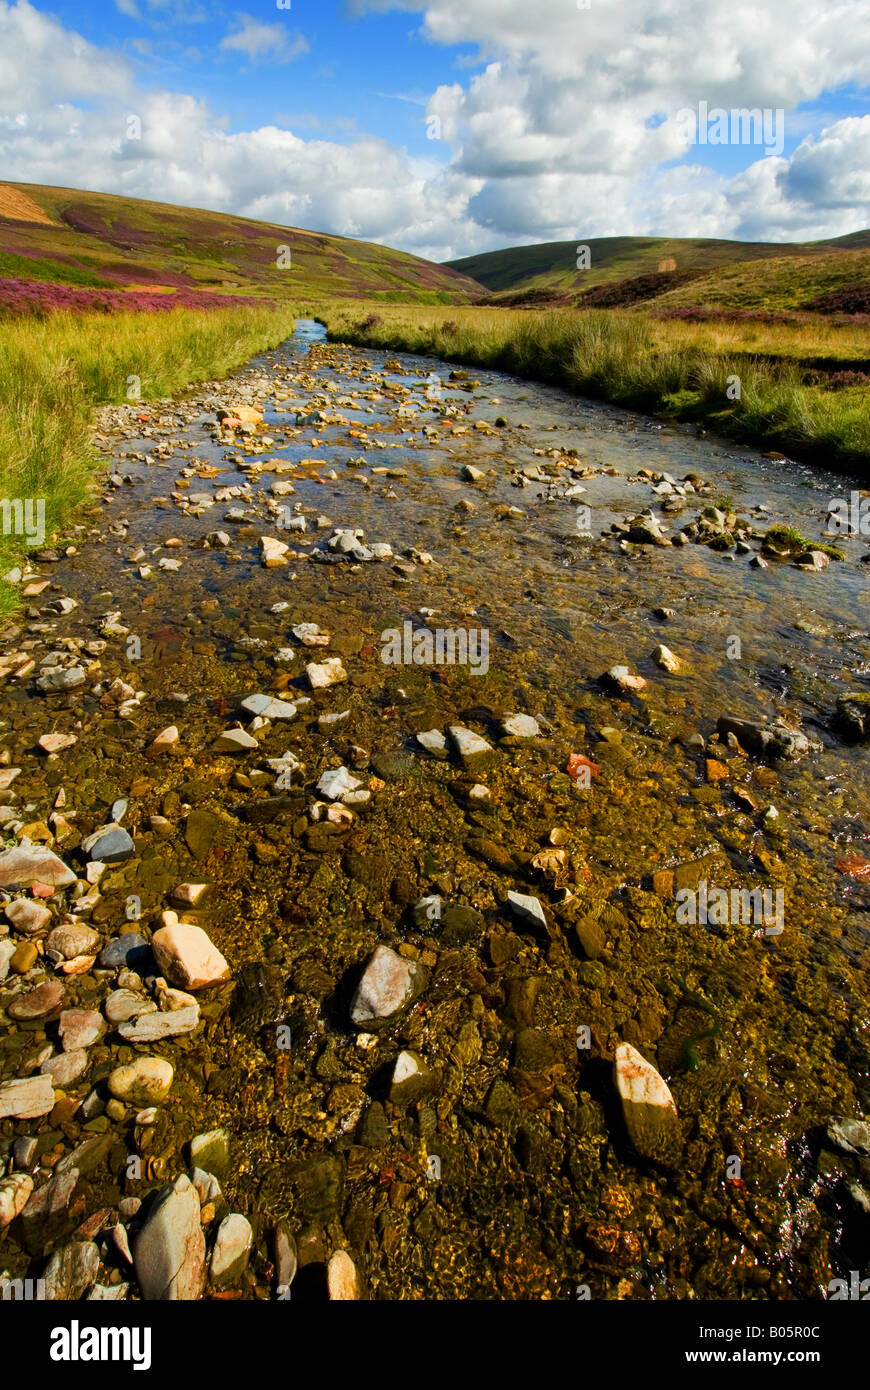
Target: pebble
527,908
71,1271
187,957
72,939
146,1081
80,1028
26,1098
28,864
124,1004
15,1192
268,708
323,674
130,949
39,1002
28,916
211,1151
66,1068
235,741
109,845
434,742
389,983
169,1254
338,783
342,1278
647,1107
469,745
521,726
273,553
664,657
232,1250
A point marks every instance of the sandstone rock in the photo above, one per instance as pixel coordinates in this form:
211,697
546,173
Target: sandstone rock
27,916
648,1107
388,985
26,1098
472,749
146,1081
27,864
66,1068
71,1271
187,957
15,1193
37,1003
521,726
169,1254
232,1249
72,939
273,553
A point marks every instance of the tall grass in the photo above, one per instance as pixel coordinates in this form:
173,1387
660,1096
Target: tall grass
627,360
55,370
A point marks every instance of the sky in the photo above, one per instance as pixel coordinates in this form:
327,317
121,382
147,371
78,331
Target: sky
451,127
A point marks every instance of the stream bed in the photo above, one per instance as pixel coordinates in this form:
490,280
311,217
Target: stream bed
497,1162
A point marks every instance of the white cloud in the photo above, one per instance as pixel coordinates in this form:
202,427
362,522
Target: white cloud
258,41
551,139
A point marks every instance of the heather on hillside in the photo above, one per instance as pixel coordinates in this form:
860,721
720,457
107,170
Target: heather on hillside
42,297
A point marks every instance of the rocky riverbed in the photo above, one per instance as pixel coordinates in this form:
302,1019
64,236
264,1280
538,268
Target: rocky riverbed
330,968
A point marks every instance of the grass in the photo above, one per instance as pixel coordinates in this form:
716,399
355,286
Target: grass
632,360
54,371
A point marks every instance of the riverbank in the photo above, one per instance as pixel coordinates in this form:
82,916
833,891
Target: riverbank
55,369
670,369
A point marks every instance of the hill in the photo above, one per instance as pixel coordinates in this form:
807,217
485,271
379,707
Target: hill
64,237
677,271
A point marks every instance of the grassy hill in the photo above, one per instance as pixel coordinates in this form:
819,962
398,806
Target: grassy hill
63,236
675,271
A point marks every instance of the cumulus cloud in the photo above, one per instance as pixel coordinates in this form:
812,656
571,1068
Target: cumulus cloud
258,41
568,129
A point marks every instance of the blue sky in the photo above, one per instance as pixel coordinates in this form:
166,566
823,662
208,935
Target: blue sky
447,127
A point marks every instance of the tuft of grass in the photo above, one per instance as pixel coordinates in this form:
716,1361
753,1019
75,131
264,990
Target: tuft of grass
54,371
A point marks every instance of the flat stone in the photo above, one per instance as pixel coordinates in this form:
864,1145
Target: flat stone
28,864
146,1081
28,916
232,1249
169,1254
647,1107
109,845
389,983
26,1098
66,1068
72,939
622,678
268,708
47,1212
152,1027
527,908
187,957
39,1002
471,748
57,680
521,726
56,743
124,1004
165,740
323,674
80,1028
235,741
129,950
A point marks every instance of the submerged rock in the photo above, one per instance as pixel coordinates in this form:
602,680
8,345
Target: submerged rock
28,864
169,1254
647,1107
388,985
773,740
342,1278
143,1082
232,1249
